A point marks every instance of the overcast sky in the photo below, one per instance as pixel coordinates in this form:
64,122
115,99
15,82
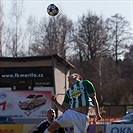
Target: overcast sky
76,8
73,8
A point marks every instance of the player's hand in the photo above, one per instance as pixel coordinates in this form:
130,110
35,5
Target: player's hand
99,117
54,98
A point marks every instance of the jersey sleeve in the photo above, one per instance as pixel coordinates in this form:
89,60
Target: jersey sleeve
66,98
89,86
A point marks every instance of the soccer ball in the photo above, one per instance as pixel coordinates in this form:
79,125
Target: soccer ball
52,10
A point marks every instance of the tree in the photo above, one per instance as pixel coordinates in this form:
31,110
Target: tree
126,67
119,35
52,36
93,59
1,14
12,31
31,32
90,36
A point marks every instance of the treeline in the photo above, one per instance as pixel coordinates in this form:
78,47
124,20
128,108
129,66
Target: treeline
100,49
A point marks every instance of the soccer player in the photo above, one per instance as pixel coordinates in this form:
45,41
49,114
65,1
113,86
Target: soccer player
75,105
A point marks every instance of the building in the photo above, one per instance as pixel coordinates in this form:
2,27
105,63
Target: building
27,83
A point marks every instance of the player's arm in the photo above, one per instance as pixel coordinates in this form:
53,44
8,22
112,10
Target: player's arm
91,90
96,105
62,107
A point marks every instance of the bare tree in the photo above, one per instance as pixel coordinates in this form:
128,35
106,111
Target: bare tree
90,36
12,31
119,33
94,61
90,39
31,33
52,36
1,14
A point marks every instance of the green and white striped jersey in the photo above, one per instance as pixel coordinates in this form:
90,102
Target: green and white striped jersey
78,94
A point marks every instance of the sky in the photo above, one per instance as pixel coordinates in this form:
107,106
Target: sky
76,8
73,9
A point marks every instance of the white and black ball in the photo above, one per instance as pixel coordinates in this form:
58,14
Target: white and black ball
52,10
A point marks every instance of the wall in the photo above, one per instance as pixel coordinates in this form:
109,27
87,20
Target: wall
59,76
61,73
26,63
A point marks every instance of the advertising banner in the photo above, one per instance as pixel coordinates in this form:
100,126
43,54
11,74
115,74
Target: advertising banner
11,128
17,128
28,128
96,129
119,128
25,104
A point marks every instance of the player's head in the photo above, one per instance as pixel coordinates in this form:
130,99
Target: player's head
78,76
74,77
51,113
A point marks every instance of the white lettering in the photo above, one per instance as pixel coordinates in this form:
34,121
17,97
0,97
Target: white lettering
22,75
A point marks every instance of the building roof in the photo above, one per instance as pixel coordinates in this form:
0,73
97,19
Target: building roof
32,58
